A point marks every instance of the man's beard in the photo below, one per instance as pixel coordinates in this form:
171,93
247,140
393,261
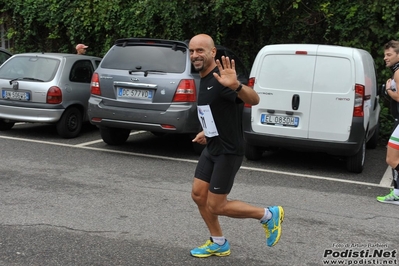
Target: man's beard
200,68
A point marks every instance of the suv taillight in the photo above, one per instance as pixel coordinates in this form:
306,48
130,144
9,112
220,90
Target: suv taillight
54,95
186,91
95,85
251,83
359,101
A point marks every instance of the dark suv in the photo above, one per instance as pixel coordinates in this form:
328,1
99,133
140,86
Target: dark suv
148,84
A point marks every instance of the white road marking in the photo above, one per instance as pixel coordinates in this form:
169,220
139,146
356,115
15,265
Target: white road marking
100,140
384,182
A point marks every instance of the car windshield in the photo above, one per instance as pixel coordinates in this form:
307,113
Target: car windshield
30,67
148,58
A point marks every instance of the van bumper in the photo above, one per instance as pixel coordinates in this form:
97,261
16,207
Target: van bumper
337,148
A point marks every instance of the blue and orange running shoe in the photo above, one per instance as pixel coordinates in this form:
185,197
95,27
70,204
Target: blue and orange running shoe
273,226
211,249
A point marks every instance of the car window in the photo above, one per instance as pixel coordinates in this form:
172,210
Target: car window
147,57
81,71
41,68
4,56
97,63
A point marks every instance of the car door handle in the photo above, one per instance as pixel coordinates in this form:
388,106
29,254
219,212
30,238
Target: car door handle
295,102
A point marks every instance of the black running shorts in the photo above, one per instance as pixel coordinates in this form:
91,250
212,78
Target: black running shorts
219,171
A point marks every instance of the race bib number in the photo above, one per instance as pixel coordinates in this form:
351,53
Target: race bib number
206,119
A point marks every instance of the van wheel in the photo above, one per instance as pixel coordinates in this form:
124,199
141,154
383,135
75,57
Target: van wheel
70,123
6,125
252,152
114,136
355,163
373,141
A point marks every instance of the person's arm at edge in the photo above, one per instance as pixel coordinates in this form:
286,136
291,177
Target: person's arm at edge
393,94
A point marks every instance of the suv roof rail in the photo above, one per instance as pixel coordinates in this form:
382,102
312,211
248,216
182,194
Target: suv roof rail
125,41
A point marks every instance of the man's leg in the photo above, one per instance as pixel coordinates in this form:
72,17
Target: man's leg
200,193
219,205
200,196
270,218
392,160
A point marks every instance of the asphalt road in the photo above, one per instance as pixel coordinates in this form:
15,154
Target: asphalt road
82,202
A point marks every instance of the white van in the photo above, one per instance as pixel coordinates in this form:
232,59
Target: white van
320,98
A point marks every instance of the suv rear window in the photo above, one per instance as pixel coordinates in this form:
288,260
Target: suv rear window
142,58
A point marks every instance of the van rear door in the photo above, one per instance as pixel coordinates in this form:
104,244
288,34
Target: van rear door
332,103
284,77
306,91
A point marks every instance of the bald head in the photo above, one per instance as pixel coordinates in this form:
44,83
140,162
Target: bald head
202,53
204,39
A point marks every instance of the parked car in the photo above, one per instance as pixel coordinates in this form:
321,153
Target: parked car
319,98
46,88
148,84
4,55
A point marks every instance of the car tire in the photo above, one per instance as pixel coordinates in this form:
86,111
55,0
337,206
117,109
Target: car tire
373,141
355,163
6,125
114,136
253,153
70,124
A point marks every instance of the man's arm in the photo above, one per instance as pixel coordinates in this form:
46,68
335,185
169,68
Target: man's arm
393,94
200,138
228,78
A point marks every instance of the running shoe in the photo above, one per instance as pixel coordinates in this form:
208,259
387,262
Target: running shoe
390,198
211,249
273,226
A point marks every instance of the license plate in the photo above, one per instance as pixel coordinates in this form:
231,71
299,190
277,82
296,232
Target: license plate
280,120
133,93
15,95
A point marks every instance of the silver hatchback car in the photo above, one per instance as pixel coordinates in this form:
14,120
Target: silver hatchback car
148,84
46,88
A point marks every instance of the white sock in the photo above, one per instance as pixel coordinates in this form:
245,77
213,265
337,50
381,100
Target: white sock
266,216
218,240
396,191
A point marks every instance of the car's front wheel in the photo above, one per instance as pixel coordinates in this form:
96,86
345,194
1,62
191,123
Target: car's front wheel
114,136
6,125
70,123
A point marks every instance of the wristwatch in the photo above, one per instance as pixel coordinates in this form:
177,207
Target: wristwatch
239,88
